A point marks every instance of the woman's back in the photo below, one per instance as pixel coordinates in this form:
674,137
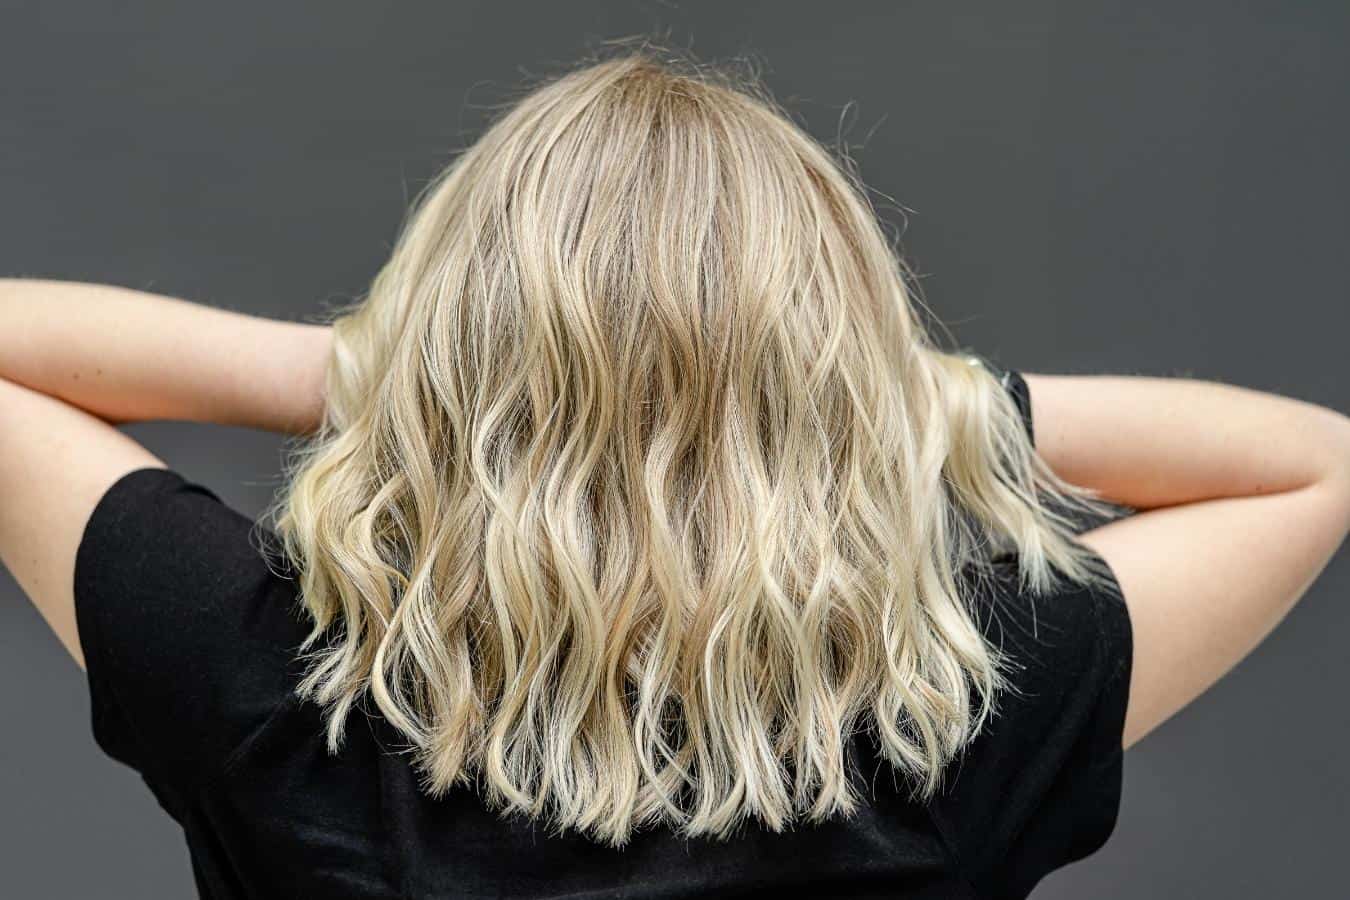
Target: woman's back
188,631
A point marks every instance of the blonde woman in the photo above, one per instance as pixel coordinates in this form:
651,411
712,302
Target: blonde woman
639,541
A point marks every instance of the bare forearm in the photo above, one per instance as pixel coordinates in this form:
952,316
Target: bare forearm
127,356
1155,442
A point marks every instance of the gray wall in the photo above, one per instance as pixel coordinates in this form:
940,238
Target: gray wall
1149,187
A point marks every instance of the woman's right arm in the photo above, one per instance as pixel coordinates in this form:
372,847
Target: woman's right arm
1244,497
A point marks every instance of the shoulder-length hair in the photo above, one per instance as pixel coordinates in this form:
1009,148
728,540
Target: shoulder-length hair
641,488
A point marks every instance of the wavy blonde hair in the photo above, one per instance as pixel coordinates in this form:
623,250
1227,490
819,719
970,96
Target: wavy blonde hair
641,488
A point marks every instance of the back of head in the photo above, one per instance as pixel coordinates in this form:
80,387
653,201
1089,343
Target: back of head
642,488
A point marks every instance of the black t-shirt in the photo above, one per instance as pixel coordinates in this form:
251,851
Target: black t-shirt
190,637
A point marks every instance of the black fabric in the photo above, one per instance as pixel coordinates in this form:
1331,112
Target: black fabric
190,638
1041,786
1016,385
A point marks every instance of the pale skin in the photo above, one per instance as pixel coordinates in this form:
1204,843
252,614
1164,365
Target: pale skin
1244,496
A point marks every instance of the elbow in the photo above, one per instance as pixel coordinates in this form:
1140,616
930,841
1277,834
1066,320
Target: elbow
1337,469
1341,443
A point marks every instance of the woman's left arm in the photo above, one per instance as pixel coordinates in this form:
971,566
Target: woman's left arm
125,355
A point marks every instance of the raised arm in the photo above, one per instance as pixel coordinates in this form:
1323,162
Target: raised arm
1244,498
74,357
125,355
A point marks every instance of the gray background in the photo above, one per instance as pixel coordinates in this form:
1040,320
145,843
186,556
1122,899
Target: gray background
1149,187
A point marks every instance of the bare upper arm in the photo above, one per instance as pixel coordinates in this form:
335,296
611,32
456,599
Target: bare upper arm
1245,496
56,462
1206,582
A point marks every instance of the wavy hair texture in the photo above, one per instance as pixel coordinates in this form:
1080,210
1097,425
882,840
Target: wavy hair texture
641,488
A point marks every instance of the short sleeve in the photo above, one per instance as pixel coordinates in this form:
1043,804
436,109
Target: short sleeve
188,631
1016,386
1017,389
1040,787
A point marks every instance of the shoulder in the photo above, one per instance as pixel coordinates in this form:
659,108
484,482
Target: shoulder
153,525
1041,785
1048,638
189,624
